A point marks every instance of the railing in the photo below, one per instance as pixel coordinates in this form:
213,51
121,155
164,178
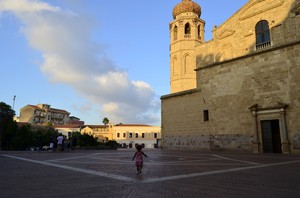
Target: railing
40,114
187,36
262,45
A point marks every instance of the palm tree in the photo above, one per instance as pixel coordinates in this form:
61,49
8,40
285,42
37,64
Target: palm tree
105,121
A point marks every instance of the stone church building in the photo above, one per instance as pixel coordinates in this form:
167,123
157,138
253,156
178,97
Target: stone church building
239,91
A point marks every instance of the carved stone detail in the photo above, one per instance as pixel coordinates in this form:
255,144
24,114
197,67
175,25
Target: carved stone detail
225,33
255,8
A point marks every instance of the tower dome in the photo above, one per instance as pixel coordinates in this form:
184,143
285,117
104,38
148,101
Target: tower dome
186,6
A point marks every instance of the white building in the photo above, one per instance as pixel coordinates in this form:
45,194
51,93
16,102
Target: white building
126,134
131,134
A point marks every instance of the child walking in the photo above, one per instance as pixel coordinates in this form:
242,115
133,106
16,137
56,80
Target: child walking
139,158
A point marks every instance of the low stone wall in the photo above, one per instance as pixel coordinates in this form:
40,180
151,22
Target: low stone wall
234,142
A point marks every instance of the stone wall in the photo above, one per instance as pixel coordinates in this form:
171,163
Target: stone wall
236,36
262,78
183,124
227,91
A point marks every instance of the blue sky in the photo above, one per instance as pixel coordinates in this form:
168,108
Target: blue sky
93,58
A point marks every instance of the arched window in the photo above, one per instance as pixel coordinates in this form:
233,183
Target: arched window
262,34
199,31
175,33
188,69
175,66
187,29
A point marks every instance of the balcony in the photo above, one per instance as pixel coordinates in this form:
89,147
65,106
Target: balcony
40,114
262,45
187,36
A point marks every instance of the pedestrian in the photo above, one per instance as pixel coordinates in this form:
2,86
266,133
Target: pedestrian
64,145
139,158
60,140
67,144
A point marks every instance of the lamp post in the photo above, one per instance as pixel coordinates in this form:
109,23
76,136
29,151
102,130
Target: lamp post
14,99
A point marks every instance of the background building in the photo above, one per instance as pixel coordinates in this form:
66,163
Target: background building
104,133
44,114
131,134
75,121
126,134
245,94
67,129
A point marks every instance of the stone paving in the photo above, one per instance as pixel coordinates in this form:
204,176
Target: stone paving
166,173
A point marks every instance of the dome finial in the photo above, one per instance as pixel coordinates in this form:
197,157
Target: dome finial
186,6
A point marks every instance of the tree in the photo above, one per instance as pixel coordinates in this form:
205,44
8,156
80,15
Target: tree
105,121
6,112
13,137
84,139
6,123
23,139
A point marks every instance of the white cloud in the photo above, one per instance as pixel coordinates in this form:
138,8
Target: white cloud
111,107
70,57
21,6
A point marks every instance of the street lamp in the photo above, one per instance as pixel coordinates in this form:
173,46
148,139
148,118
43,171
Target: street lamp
14,102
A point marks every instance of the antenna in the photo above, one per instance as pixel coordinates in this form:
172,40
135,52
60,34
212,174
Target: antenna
14,102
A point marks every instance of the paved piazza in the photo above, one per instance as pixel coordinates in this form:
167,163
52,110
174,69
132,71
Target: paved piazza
166,173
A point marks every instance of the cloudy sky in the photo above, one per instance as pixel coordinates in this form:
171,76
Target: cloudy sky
92,58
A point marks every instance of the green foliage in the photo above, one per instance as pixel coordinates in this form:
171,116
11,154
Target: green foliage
112,143
6,124
13,137
10,129
6,110
43,135
84,140
26,136
22,139
49,124
105,121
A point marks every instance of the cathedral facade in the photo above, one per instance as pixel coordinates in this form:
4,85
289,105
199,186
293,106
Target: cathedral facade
239,91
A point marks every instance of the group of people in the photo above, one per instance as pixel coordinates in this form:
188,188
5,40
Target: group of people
61,143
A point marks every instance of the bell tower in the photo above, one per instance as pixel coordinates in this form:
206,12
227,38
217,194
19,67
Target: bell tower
186,32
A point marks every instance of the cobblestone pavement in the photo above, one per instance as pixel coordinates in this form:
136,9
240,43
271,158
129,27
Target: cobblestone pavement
166,173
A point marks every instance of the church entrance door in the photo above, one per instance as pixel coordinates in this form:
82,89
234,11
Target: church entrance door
271,140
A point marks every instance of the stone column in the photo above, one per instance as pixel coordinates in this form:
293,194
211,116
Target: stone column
255,142
285,142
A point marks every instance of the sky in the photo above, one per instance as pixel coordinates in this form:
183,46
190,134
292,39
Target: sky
93,58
